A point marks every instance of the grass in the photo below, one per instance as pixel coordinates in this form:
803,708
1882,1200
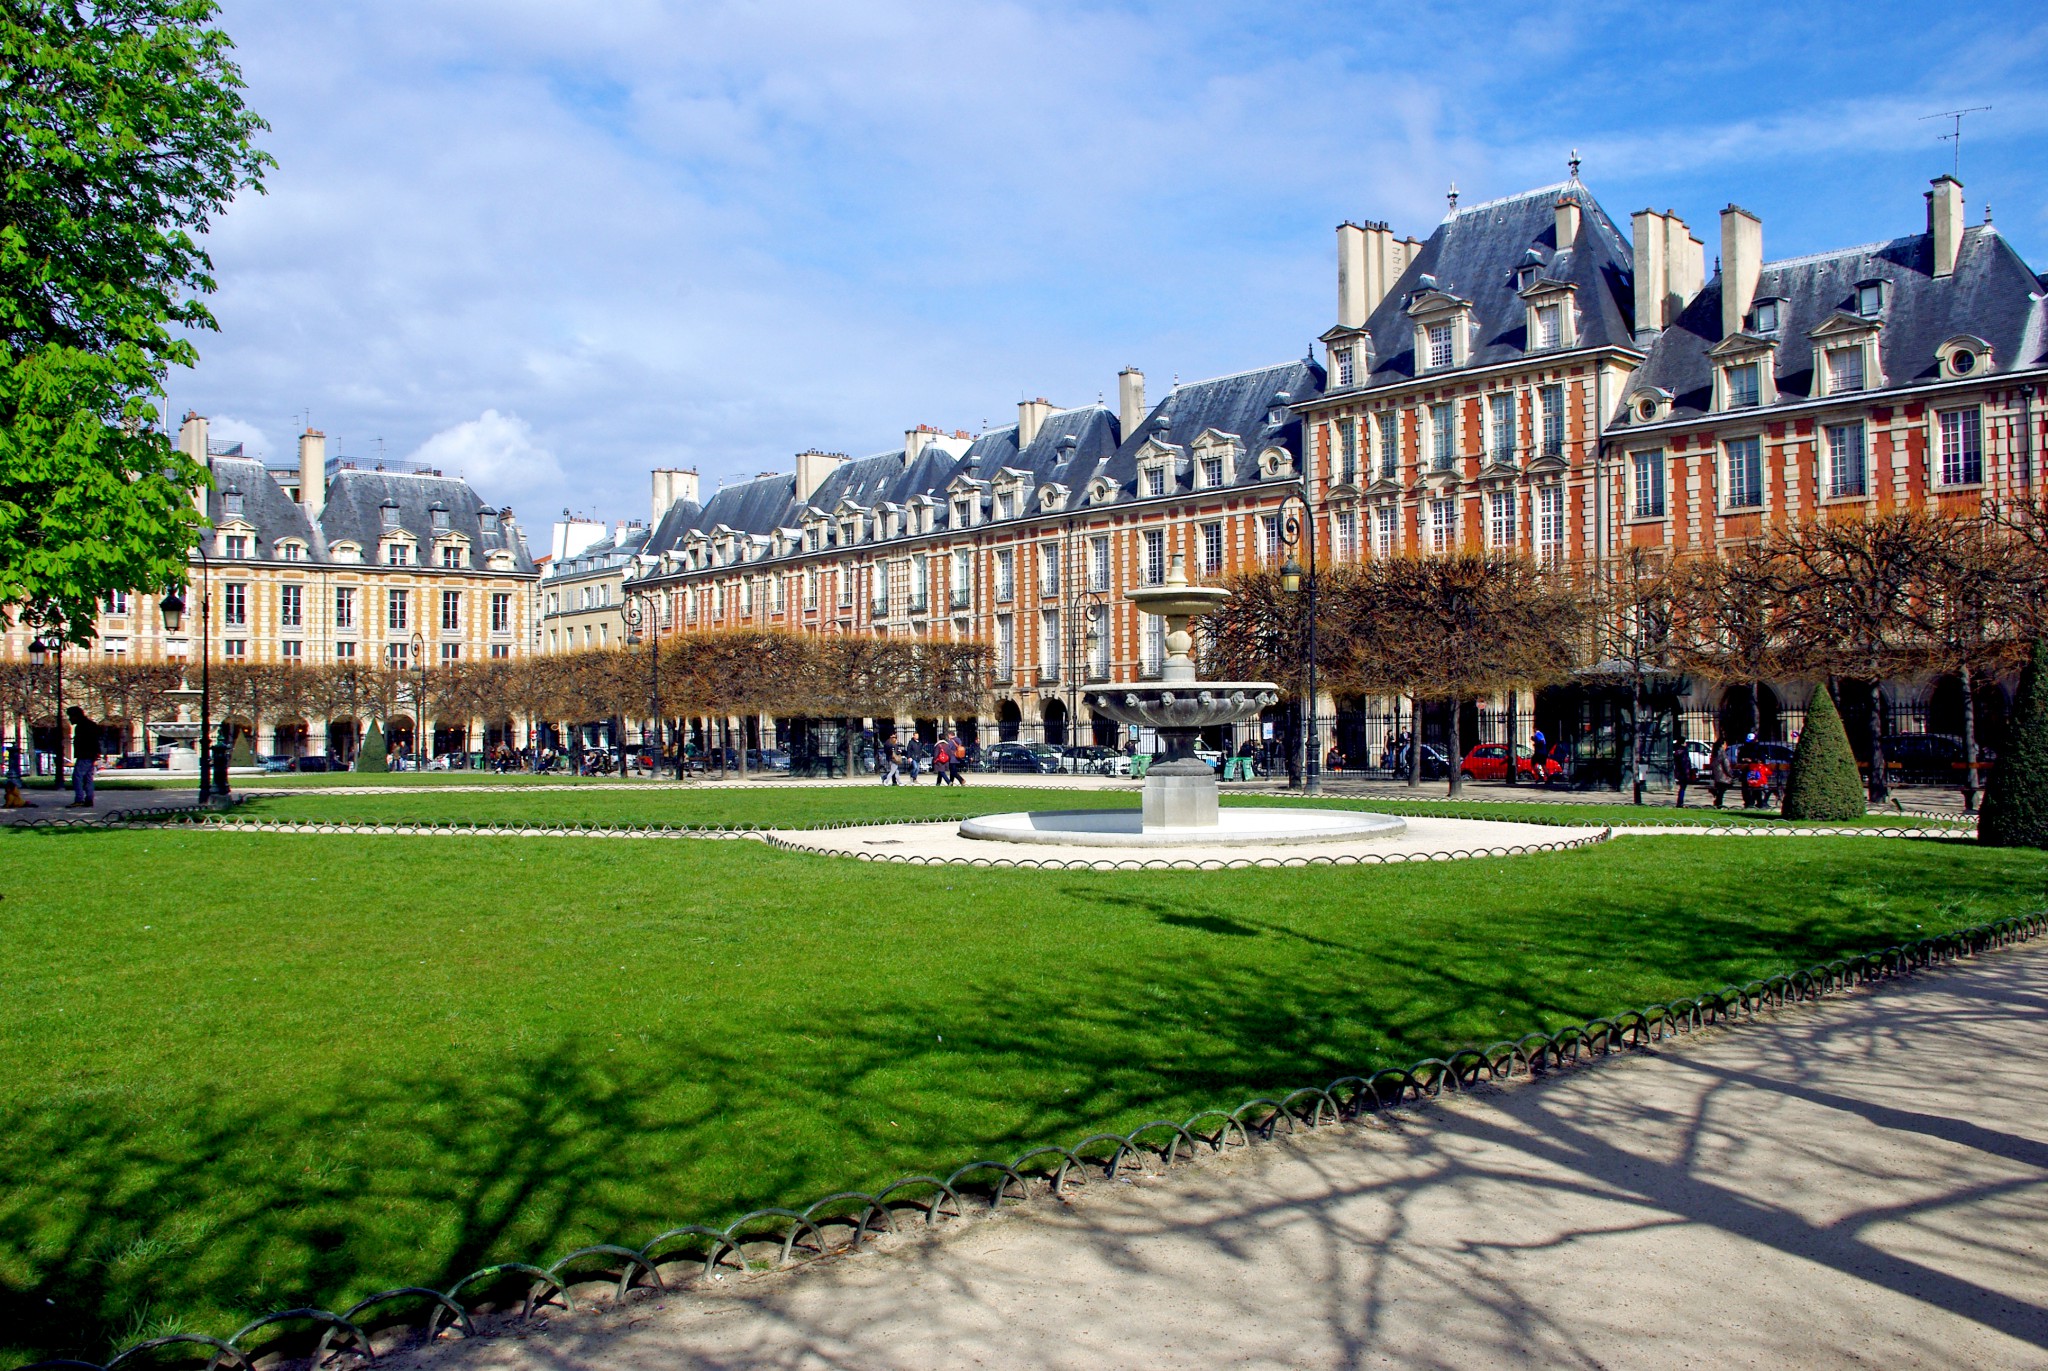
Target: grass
321,780
248,1070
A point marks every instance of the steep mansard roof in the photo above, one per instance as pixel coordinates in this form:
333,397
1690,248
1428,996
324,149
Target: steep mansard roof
1072,447
1992,295
355,511
1477,254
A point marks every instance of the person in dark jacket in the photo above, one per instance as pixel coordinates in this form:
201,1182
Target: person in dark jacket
85,756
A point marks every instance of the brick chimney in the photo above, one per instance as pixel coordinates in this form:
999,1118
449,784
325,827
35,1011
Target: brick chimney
1670,268
1351,274
672,485
1031,416
313,473
1945,223
812,468
1130,400
1742,260
1567,221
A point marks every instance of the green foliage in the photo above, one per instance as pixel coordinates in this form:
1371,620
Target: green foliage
2016,801
122,132
1825,783
620,1037
370,756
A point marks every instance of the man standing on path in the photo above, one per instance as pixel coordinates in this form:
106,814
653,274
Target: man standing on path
85,753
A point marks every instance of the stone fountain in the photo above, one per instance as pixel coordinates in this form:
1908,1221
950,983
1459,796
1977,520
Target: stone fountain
1179,806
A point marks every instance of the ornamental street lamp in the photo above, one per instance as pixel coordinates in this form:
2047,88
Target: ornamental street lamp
643,608
1298,529
40,649
172,607
419,699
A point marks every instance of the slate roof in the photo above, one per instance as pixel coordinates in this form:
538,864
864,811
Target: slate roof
1992,295
1072,447
1477,253
606,554
355,512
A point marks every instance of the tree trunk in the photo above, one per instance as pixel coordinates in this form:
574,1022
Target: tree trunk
1878,788
1969,742
1756,717
619,742
1415,740
1514,756
852,745
1297,751
1456,779
1635,745
742,751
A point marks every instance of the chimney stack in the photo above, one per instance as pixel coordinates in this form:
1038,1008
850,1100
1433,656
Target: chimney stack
1130,400
313,473
1031,416
1567,221
812,468
1351,306
1944,223
1742,260
672,486
1382,260
1670,267
192,442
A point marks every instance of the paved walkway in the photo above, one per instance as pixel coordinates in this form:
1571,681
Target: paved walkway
1862,1183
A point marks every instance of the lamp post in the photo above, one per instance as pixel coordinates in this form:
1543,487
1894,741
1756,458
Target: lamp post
419,701
172,607
40,648
643,608
1298,529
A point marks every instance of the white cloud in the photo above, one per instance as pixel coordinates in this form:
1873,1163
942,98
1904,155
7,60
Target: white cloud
499,455
225,428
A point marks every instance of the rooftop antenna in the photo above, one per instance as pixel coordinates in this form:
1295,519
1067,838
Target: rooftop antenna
1955,135
1575,166
1452,196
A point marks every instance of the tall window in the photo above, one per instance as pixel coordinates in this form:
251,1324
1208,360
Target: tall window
1550,400
1098,643
1269,538
1440,436
1501,427
234,604
396,610
1347,451
1212,472
1383,530
845,578
920,584
1347,535
1649,485
962,579
1048,569
1962,447
501,611
451,609
1347,368
1155,480
1743,385
1006,646
1049,644
1744,483
1549,328
1155,646
1443,517
1500,518
780,603
1439,346
1006,574
1155,556
1212,549
344,607
1549,524
1845,370
451,556
1848,472
1390,444
810,589
1098,563
291,606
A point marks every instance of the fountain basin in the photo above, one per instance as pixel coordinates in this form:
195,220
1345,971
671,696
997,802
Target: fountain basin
1232,828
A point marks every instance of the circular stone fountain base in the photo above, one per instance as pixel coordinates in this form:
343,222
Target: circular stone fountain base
1234,828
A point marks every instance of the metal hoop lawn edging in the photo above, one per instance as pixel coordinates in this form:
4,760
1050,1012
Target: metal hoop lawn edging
788,1236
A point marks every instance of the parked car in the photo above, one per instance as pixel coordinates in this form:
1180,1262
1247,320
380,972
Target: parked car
141,761
1702,755
276,765
771,760
312,763
1489,762
1435,765
1088,761
1928,758
1034,758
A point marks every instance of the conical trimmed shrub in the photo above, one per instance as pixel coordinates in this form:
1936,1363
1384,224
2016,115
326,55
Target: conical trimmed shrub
1825,783
2016,802
241,754
370,756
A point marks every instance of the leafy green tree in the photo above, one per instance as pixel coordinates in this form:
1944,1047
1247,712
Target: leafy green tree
122,133
370,756
2016,801
1825,783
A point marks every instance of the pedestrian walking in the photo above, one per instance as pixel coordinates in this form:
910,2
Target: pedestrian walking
892,764
1681,768
1721,771
959,760
1754,771
85,756
1539,754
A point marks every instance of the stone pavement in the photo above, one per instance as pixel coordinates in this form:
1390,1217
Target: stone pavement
1854,1184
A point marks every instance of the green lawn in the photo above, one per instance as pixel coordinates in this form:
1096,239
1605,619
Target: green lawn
321,780
796,806
240,1071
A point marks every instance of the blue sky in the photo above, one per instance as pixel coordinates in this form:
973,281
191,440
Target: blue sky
552,245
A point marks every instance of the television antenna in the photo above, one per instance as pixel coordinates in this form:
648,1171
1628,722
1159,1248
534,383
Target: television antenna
1955,135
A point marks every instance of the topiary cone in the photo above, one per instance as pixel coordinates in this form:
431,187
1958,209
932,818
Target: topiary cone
2016,802
1825,783
370,756
242,754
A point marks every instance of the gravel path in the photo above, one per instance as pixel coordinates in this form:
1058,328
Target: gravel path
1855,1184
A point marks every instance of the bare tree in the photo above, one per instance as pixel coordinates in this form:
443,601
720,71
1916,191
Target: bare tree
1975,603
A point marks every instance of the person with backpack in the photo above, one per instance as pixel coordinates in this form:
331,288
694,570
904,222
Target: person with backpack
892,763
958,752
1721,772
85,755
1755,772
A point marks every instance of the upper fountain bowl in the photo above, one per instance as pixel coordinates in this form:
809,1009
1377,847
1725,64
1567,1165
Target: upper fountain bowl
1176,599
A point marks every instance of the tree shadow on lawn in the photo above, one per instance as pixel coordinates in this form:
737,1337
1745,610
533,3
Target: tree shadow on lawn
155,1198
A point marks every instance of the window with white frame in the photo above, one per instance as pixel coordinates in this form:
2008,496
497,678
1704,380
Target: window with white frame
1500,518
1347,367
344,607
1049,644
1155,646
1549,325
920,584
231,504
780,603
1212,549
344,652
1848,468
1383,531
1442,437
235,649
1006,646
1443,521
1647,485
1346,521
1155,556
500,651
1549,524
452,556
1003,505
1550,401
294,650
1048,569
1870,299
234,604
397,609
292,552
397,554
450,652
501,611
1962,446
1006,575
1744,385
844,576
291,606
1347,450
1440,349
810,589
1766,316
1098,643
962,577
451,610
1269,538
117,602
1212,471
1742,473
1155,479
1501,427
237,545
396,654
1390,444
1845,369
1098,563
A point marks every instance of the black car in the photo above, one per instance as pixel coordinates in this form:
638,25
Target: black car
1927,758
1035,758
311,762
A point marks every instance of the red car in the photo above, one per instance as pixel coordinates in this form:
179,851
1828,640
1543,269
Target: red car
1489,762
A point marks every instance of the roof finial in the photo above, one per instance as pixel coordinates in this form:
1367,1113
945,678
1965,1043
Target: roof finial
1574,164
1987,213
1452,196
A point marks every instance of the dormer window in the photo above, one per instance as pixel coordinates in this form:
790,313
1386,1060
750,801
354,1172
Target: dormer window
231,503
1155,479
1528,276
960,508
453,557
1003,506
237,545
1441,338
1347,366
1212,471
1765,319
1870,298
1549,325
397,554
487,521
292,552
1744,386
1845,369
389,511
439,516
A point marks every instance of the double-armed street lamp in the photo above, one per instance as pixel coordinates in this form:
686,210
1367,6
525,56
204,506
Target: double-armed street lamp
48,643
419,701
641,609
213,779
1298,529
